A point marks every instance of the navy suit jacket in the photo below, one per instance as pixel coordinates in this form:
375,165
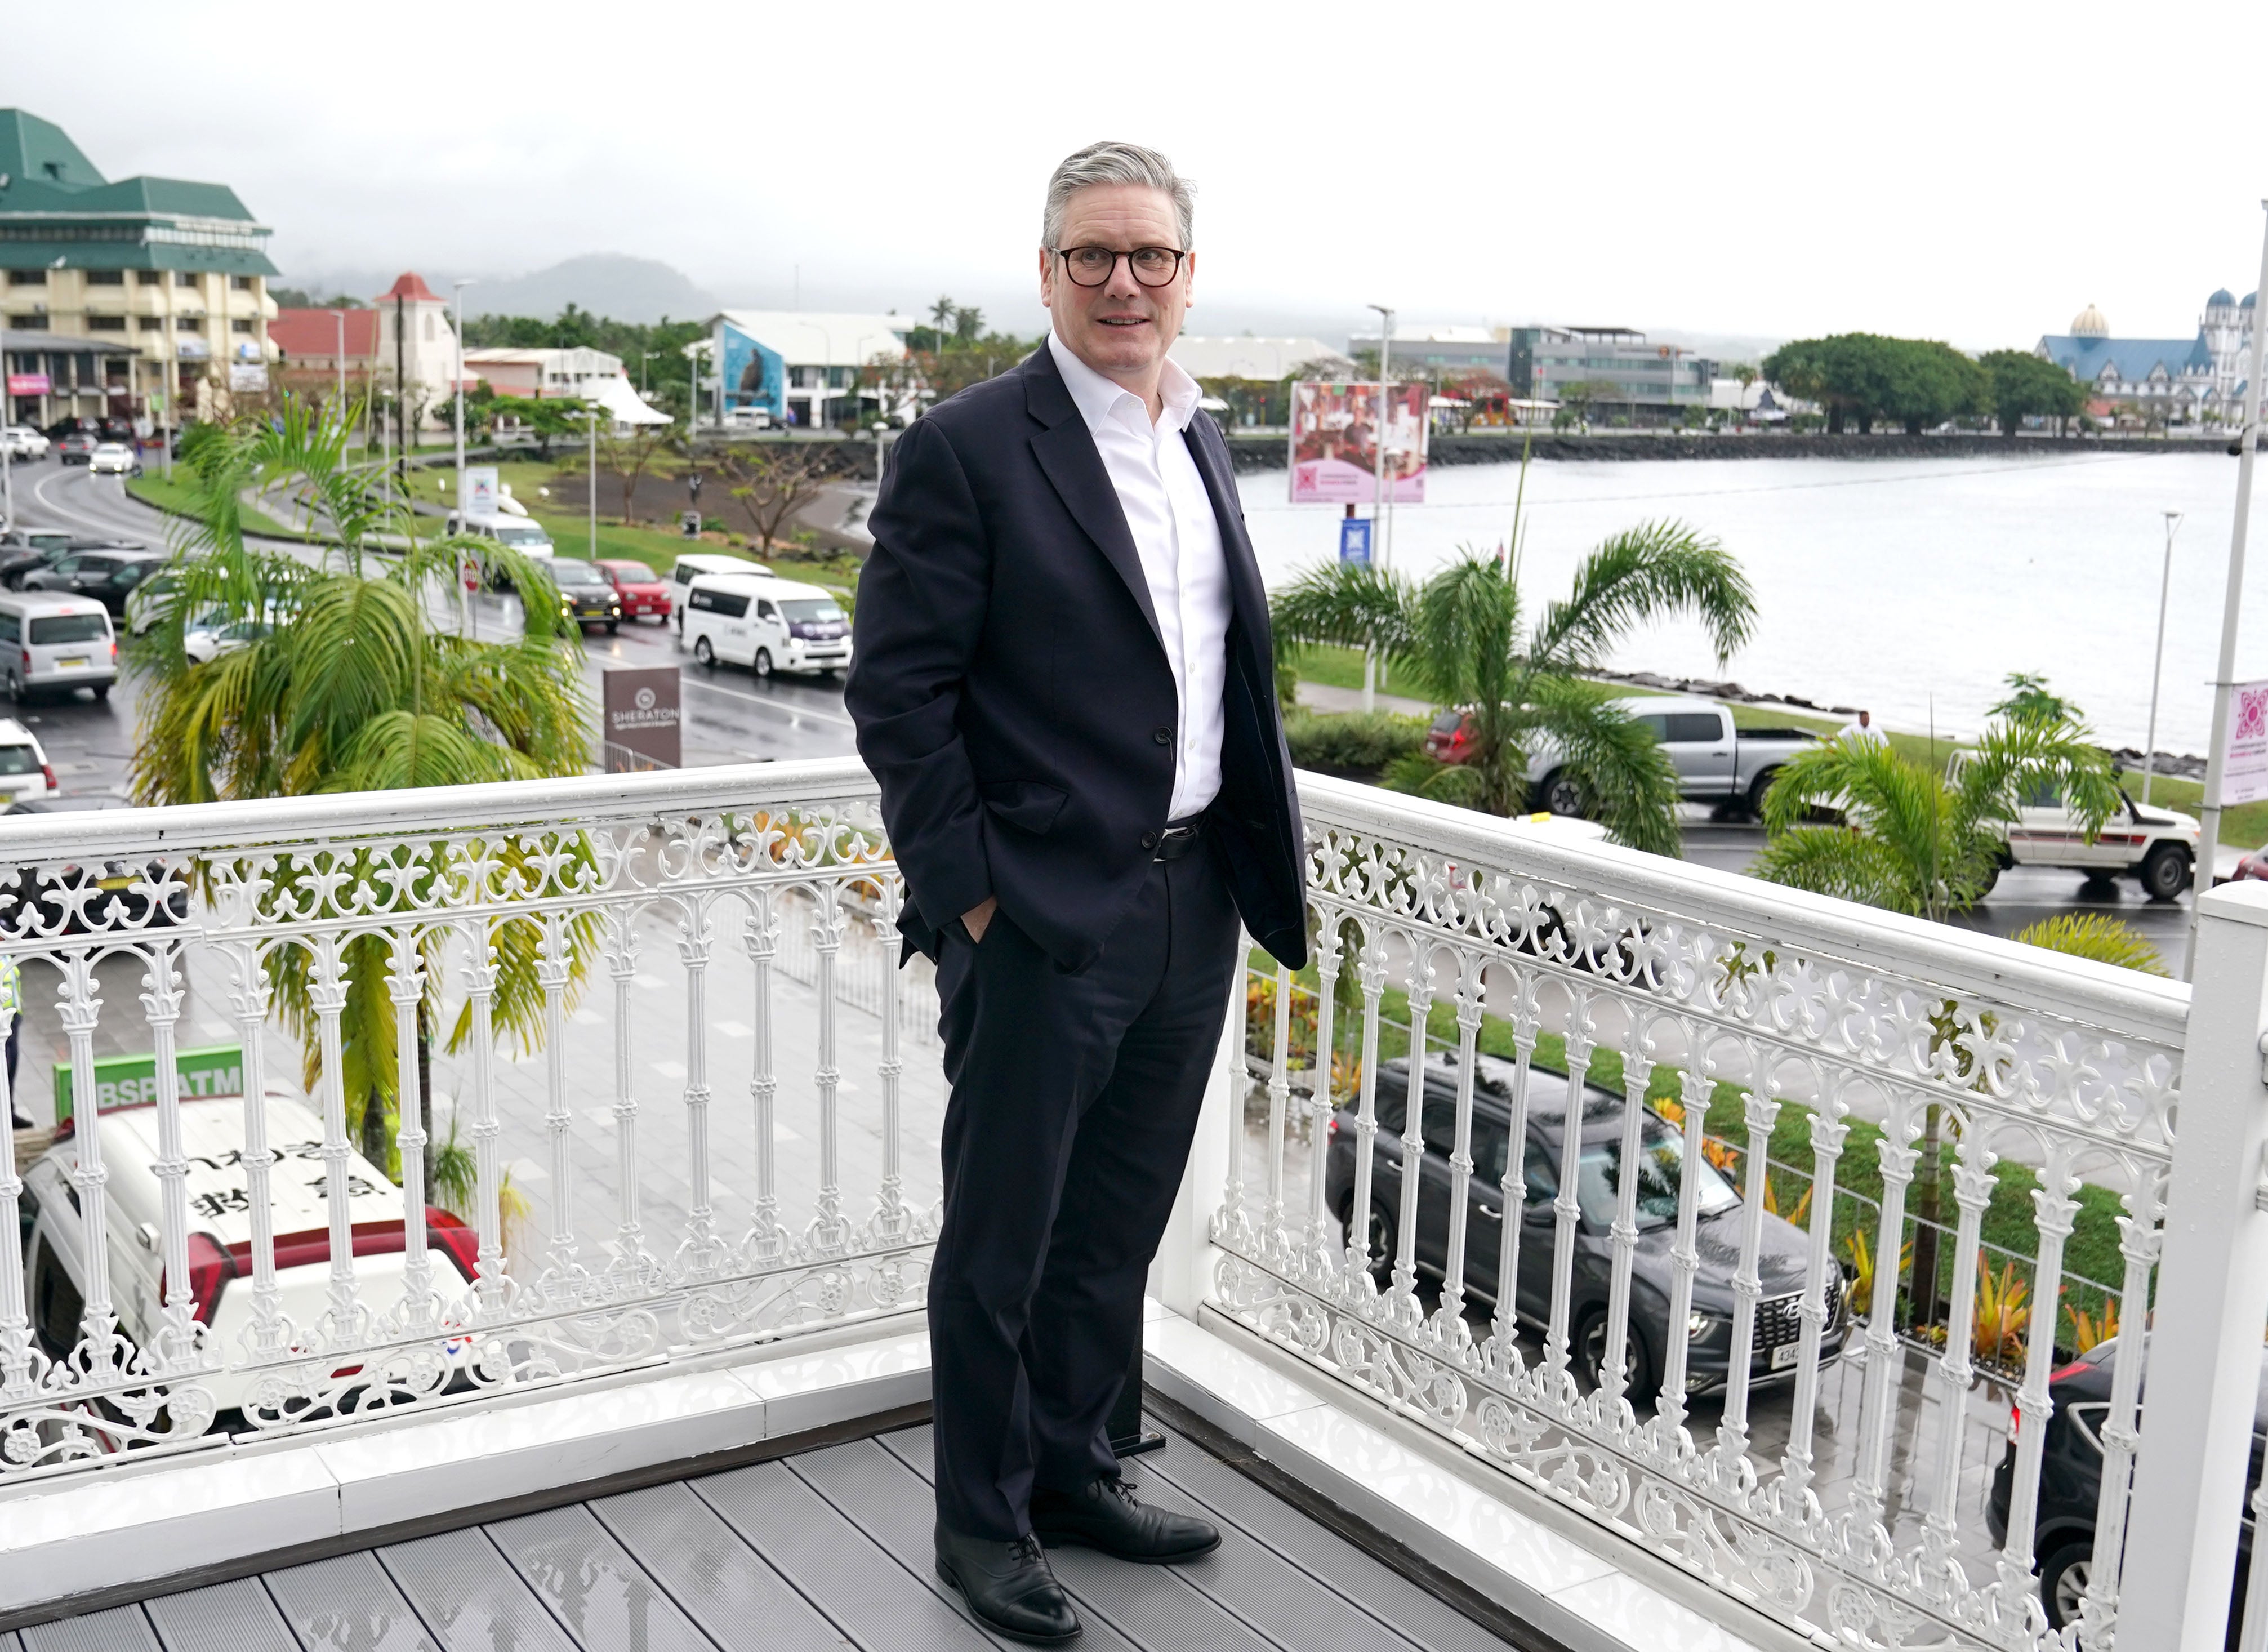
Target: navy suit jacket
1012,695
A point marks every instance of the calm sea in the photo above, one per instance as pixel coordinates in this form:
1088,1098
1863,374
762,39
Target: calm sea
1909,585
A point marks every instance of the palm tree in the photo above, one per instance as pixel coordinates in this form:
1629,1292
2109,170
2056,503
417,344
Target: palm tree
344,683
1910,838
1464,639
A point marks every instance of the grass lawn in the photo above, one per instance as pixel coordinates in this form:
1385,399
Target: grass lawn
176,497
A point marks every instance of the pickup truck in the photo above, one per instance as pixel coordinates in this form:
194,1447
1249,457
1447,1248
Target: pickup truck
1716,763
2156,847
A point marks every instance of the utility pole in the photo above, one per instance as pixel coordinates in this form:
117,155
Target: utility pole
339,361
2223,679
591,422
464,524
1380,505
2158,659
401,386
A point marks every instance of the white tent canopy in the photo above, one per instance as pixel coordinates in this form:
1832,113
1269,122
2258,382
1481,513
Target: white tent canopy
621,402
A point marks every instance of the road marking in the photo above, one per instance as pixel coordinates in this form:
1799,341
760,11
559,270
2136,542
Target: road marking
789,707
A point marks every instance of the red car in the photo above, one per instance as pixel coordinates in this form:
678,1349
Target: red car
1450,738
643,591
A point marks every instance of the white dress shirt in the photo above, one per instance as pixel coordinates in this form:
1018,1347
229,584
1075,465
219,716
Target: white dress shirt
1178,538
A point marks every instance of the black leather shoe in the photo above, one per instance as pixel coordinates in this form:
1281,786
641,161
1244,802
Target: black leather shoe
1106,1515
1008,1586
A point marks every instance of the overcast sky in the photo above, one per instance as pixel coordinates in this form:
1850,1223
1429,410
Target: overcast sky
1973,171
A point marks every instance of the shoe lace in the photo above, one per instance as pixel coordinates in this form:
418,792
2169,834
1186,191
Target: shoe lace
1123,1491
1028,1551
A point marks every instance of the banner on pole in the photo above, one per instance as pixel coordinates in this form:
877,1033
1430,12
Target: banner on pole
2244,765
1334,443
1354,540
480,491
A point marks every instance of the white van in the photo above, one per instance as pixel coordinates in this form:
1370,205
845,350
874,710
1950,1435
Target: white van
689,568
51,641
24,771
220,1228
766,624
518,532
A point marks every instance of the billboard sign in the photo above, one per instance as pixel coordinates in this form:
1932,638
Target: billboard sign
643,729
1334,443
1354,540
2244,765
28,384
480,491
244,377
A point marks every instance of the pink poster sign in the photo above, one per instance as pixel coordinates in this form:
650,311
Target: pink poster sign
1334,443
2244,767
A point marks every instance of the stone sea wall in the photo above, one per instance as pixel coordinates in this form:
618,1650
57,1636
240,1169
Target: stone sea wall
1269,452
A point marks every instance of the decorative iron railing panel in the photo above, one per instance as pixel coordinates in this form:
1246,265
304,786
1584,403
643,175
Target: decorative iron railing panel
1621,961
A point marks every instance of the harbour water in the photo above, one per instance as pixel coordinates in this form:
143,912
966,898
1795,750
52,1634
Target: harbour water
1911,586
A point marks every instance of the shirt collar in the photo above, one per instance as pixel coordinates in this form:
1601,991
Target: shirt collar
1098,398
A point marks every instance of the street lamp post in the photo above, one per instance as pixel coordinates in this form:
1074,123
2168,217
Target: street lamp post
1380,508
2232,600
458,383
339,362
591,424
2158,659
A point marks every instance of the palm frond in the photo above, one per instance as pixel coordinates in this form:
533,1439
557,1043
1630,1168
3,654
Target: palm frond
1346,605
1841,861
1620,765
2096,935
1654,572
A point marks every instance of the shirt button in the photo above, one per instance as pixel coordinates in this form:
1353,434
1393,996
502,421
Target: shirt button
1163,736
1149,840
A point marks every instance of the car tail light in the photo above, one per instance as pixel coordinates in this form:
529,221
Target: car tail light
47,774
451,1235
114,651
2015,1422
27,660
1331,1125
211,1269
2062,1371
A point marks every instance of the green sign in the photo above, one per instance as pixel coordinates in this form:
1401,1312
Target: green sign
132,1080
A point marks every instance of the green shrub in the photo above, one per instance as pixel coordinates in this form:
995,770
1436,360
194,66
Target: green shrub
1351,742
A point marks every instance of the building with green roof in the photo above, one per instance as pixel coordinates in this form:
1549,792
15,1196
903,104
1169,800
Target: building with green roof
169,277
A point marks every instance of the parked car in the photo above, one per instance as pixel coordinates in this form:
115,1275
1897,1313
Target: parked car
67,902
1782,1257
766,624
25,775
220,1220
748,418
2071,1486
2156,847
688,568
76,448
516,533
211,636
20,547
109,577
21,441
642,591
1716,761
585,594
112,458
52,642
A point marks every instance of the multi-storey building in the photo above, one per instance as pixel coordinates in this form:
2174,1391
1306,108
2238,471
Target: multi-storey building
2199,380
1615,368
168,277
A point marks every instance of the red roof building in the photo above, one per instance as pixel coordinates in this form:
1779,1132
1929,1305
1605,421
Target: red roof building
310,338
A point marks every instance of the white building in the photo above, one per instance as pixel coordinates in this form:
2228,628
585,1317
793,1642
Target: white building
427,353
1263,360
538,373
799,365
2184,381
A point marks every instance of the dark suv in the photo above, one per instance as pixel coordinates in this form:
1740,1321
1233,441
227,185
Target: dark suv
1708,1330
2070,1486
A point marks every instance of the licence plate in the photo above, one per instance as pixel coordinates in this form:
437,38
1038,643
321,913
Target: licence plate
116,884
1783,1355
79,663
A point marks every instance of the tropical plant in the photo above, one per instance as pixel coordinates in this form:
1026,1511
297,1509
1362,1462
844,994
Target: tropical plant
2030,697
346,683
2004,1314
1910,840
1862,1270
2089,1330
1351,742
1465,638
2096,935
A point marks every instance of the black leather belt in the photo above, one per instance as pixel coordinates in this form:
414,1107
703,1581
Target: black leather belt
1178,839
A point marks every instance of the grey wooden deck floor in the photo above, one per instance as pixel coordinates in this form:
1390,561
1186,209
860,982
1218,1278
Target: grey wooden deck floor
830,1549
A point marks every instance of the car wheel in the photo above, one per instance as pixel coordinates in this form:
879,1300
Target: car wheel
2064,1576
1380,1238
1561,793
1756,790
15,689
102,690
762,665
703,652
613,627
2165,872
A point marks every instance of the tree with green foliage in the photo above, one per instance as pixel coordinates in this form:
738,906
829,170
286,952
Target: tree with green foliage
1930,383
2097,936
2030,699
546,418
2025,386
1465,638
345,683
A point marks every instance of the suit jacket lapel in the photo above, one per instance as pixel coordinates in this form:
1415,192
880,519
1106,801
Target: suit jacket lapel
1247,595
1067,456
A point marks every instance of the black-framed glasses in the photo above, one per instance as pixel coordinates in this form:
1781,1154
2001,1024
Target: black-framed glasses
1092,266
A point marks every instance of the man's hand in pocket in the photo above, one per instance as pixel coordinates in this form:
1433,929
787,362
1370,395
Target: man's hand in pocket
978,918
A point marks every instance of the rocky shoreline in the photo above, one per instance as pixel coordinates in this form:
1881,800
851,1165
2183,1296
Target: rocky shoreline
2179,765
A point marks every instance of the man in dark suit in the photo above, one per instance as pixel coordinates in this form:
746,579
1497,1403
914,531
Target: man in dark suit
1062,681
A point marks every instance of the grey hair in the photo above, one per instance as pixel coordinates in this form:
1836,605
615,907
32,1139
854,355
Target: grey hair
1115,163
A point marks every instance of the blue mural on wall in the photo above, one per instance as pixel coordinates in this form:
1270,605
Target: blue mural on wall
754,376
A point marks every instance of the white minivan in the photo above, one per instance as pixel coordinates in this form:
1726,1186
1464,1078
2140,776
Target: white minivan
518,532
692,567
765,624
51,641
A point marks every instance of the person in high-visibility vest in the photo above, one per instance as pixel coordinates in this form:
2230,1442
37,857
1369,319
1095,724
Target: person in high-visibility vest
11,1003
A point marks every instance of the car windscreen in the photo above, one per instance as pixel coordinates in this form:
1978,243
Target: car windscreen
521,537
19,759
1661,1162
70,628
568,571
1447,722
811,609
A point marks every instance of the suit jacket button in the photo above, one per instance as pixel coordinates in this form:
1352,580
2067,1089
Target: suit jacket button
1149,840
1163,736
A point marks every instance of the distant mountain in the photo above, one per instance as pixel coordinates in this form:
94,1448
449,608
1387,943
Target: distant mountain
604,284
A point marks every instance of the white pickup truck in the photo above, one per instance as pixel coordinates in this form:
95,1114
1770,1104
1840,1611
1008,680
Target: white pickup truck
1716,762
2156,847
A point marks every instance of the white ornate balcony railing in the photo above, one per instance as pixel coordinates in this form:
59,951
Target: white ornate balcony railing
665,900
1853,1014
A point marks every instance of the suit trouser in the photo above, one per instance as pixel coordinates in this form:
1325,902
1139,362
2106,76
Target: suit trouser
1075,1097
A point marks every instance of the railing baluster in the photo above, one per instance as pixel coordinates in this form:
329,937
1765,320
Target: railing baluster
1320,1107
767,1240
1972,1190
892,1219
345,1322
479,992
1878,1399
1638,1078
829,1234
2140,1240
1527,1020
249,991
1280,1096
99,1350
1370,970
629,1266
21,1365
1828,1133
1761,1112
699,1254
1413,1140
405,987
2054,1207
1695,1089
1565,1211
179,1343
1452,1315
